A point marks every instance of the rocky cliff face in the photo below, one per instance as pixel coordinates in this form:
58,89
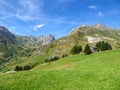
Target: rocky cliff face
41,40
46,40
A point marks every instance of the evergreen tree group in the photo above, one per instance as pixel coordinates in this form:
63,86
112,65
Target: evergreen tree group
102,46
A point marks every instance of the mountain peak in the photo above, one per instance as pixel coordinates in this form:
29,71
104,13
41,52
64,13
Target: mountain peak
101,26
85,25
2,28
6,34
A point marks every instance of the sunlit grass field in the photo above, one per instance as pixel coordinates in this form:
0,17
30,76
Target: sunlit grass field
98,71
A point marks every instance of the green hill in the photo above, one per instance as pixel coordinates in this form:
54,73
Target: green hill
98,71
81,36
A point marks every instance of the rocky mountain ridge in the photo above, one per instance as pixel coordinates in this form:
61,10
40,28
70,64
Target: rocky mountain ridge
12,45
41,40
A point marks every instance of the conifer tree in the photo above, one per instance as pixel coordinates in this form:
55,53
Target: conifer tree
87,49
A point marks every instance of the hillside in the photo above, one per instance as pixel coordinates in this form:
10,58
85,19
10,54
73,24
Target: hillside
84,35
98,71
8,44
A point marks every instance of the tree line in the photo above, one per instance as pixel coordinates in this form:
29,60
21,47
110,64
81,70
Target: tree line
101,46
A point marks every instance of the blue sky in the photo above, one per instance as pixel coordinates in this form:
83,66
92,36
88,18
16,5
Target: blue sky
56,17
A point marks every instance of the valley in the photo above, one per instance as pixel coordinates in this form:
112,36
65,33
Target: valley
51,64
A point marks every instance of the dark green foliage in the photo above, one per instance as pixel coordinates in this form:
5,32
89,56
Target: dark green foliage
47,60
103,46
53,58
18,68
64,55
76,49
87,50
108,46
27,67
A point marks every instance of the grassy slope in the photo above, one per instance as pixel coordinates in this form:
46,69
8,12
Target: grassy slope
98,71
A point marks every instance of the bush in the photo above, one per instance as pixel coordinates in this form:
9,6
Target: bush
76,49
87,50
53,58
18,68
27,67
47,60
64,55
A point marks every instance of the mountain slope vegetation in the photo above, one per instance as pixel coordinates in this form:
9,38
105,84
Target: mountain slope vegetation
96,71
81,36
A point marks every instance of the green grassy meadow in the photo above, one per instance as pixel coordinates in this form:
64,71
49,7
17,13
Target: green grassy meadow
98,71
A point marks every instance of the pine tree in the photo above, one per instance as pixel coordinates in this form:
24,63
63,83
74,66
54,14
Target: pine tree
87,49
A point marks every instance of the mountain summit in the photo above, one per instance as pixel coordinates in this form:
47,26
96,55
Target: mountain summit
101,27
6,35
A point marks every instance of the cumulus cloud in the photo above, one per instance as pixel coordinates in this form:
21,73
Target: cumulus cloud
93,7
100,14
38,27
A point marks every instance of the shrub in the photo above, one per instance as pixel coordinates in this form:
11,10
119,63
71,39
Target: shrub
18,68
27,67
53,58
64,55
47,60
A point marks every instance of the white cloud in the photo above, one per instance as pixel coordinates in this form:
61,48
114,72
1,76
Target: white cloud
38,27
27,10
93,7
29,5
100,14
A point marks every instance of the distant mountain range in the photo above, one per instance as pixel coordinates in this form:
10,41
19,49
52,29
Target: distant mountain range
41,40
10,43
14,46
